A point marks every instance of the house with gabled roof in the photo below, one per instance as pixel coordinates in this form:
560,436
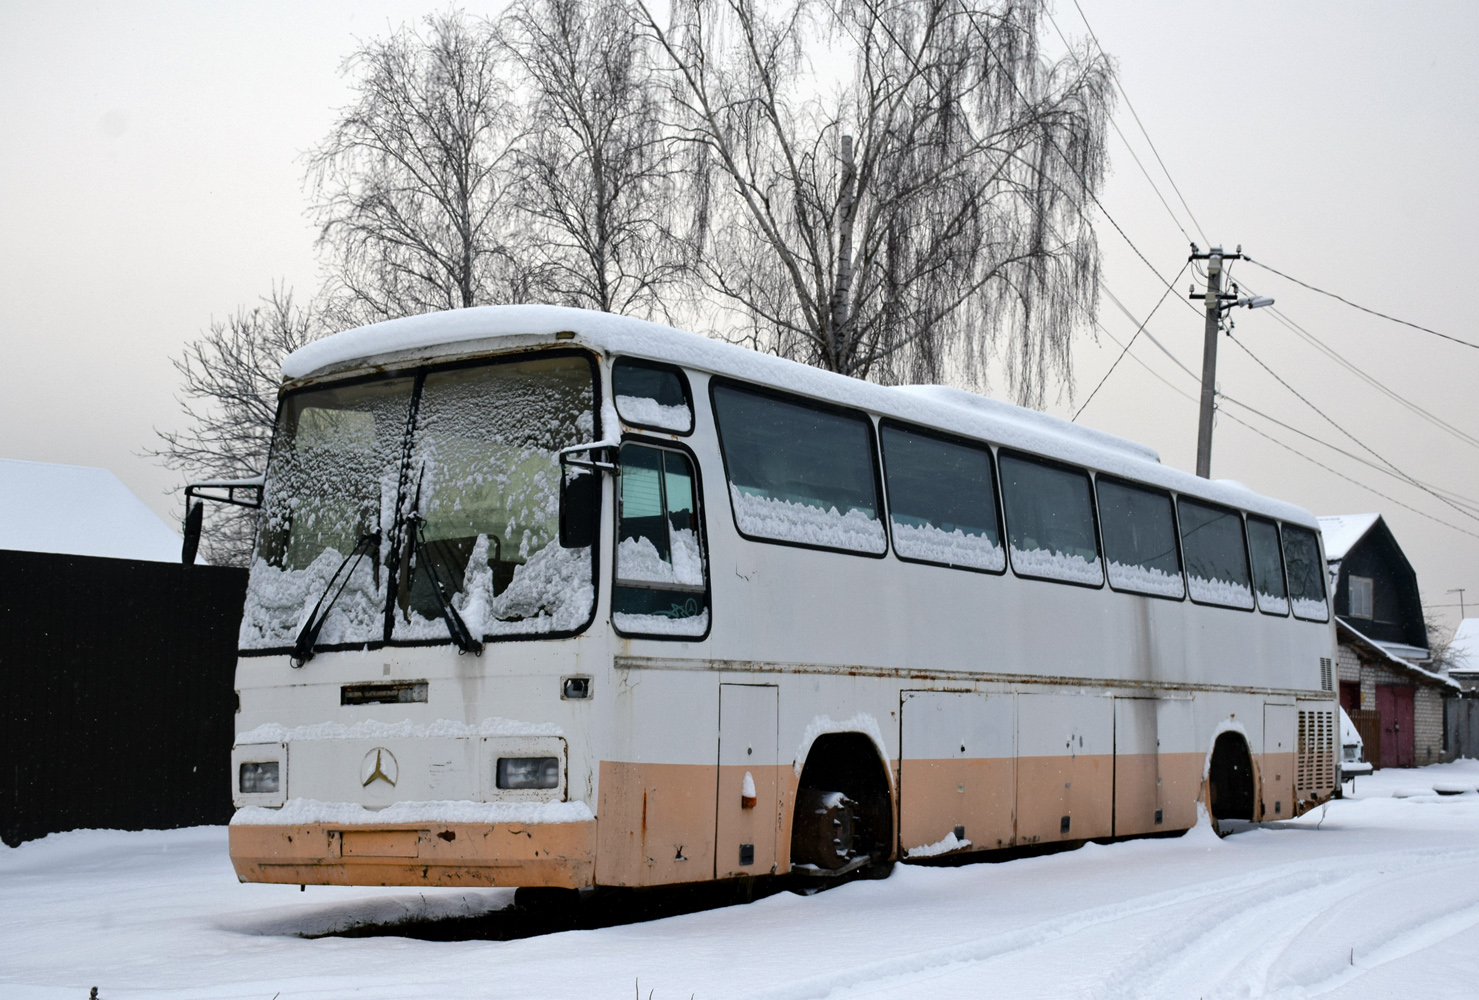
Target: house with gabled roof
1387,684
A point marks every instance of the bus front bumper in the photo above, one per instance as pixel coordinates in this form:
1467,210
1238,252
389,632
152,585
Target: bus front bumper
559,855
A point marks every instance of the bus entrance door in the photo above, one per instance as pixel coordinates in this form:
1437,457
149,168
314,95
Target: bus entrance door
744,843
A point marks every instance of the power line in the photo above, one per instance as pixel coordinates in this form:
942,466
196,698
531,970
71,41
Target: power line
1370,380
1463,500
1333,423
1083,183
1364,309
1191,215
1127,346
1313,461
1128,148
1357,482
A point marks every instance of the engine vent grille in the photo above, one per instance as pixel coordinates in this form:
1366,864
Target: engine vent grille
1327,674
1315,764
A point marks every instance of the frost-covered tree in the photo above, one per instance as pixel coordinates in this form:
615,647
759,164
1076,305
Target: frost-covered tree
411,187
598,178
230,376
892,189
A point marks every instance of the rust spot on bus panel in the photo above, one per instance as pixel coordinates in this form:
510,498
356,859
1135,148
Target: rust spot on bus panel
667,805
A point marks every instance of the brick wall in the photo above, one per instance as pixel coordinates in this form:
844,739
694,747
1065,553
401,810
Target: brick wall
1427,724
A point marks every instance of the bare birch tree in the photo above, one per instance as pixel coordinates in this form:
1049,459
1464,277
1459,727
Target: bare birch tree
410,186
597,176
230,377
903,220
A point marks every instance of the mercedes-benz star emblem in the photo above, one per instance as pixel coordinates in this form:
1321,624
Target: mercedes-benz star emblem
378,765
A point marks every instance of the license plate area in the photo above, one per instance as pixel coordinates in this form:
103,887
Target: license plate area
379,843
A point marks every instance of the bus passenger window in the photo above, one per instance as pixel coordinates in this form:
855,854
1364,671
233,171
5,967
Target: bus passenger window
659,559
1139,539
1216,555
651,395
941,501
1050,521
1268,566
799,473
1306,574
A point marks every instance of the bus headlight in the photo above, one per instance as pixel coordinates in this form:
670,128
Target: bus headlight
528,772
259,777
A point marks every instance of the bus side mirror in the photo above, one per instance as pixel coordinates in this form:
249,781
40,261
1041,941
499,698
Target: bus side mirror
580,509
193,518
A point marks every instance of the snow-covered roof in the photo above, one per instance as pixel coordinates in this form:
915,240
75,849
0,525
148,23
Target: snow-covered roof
1463,651
1341,531
78,510
464,332
1392,661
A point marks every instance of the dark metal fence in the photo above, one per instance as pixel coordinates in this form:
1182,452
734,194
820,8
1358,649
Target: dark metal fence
117,700
1463,726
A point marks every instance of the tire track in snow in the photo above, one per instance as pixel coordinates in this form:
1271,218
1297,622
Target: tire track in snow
1233,945
1268,885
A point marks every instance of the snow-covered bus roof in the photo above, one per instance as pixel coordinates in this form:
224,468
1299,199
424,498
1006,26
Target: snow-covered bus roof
468,332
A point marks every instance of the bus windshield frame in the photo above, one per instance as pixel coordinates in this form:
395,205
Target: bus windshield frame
441,478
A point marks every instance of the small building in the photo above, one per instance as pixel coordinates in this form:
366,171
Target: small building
1386,685
117,661
1463,655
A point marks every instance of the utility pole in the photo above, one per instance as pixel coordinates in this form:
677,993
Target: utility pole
1460,592
1217,302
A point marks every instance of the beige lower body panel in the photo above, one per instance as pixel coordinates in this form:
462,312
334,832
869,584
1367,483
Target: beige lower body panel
426,854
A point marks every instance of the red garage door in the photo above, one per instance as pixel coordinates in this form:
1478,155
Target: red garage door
1394,702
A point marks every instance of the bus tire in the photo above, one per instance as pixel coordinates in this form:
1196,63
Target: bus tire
843,802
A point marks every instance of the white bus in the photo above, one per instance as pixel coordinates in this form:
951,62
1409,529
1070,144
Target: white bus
550,598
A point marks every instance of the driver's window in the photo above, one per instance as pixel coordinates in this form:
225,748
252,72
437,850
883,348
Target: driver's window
661,580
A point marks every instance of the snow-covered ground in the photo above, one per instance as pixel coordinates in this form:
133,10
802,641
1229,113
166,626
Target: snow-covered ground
1377,897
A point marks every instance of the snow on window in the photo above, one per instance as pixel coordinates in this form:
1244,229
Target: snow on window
942,501
659,562
483,485
978,550
691,625
1306,574
1139,539
651,413
1216,555
1268,566
799,473
651,395
331,487
1145,579
768,517
1050,520
1057,565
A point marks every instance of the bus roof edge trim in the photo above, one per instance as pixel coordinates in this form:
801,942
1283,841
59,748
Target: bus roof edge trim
420,339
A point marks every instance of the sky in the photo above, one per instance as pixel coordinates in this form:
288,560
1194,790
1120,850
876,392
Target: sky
151,174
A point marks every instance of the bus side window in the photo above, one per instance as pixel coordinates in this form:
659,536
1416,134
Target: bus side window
1050,520
798,472
1306,574
1139,539
654,395
1216,555
1268,566
661,583
941,500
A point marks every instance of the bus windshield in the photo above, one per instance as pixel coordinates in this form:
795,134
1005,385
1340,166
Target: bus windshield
448,481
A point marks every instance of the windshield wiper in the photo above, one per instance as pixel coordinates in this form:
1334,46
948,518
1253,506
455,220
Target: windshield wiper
308,634
456,627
